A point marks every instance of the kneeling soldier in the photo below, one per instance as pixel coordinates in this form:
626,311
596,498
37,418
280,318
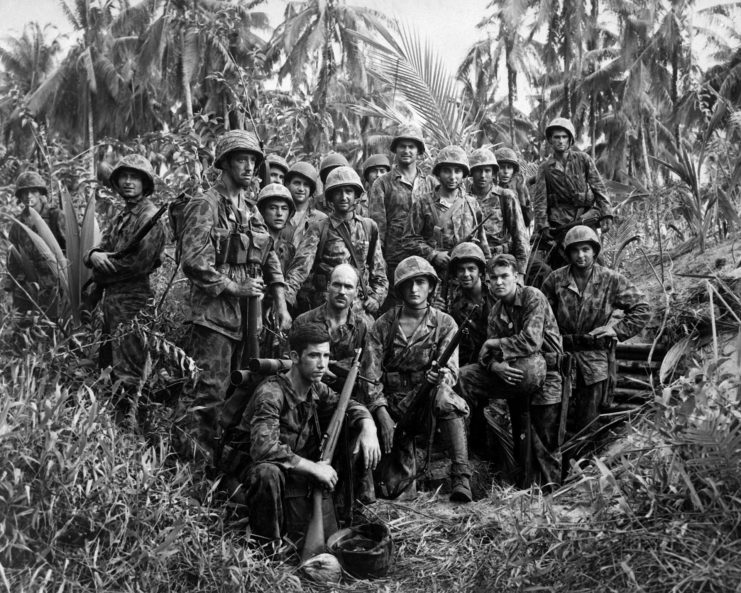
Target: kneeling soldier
401,347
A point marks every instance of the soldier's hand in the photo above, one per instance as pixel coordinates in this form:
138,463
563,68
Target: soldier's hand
368,445
371,305
325,474
606,331
440,259
605,224
387,429
508,374
100,261
283,317
251,287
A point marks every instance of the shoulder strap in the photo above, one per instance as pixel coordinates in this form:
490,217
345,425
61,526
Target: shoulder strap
371,231
322,238
388,345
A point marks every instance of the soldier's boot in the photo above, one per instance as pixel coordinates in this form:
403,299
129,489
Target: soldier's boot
453,432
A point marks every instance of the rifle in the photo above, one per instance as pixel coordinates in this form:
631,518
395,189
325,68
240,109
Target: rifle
471,236
269,366
254,318
140,234
314,541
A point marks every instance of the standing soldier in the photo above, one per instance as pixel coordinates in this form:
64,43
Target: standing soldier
402,345
373,167
301,182
328,164
519,362
568,191
228,258
125,280
393,193
342,238
447,216
584,295
506,231
278,168
509,177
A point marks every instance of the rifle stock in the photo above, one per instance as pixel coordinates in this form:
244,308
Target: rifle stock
314,540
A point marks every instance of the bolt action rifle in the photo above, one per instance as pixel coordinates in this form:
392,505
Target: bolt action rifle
314,541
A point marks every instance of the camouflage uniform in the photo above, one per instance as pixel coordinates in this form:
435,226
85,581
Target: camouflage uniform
519,186
278,428
460,305
399,363
578,314
216,240
530,342
310,266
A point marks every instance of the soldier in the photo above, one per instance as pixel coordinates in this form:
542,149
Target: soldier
506,231
328,164
228,257
125,280
28,275
519,362
584,295
344,237
301,182
402,345
562,191
509,177
447,216
393,193
373,167
278,168
276,445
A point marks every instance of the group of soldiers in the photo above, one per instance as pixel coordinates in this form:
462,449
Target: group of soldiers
392,262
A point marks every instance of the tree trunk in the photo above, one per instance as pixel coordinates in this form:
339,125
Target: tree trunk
187,94
593,43
511,95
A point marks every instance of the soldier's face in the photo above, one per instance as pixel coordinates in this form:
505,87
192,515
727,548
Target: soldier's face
506,172
33,198
300,189
416,291
482,176
130,184
504,282
313,361
276,213
450,176
560,140
468,274
342,289
406,152
581,255
374,173
276,175
343,199
240,167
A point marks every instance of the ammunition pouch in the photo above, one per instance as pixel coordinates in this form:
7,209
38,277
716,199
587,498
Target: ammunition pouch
402,381
237,248
585,342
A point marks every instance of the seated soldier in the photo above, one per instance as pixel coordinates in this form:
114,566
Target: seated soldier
401,347
519,363
274,449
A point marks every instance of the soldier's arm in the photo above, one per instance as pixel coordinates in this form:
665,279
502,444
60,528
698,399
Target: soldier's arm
516,227
549,290
372,368
328,400
540,201
264,425
530,338
597,185
418,234
377,278
303,261
449,329
272,273
377,207
636,307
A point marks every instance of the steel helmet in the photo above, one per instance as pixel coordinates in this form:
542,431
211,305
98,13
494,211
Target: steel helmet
305,170
562,123
275,160
375,160
483,157
364,551
275,191
330,162
507,155
413,266
138,163
342,177
466,252
30,180
237,140
409,132
452,155
582,234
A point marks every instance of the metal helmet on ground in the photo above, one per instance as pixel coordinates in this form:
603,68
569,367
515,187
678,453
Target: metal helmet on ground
364,551
466,252
330,162
343,177
275,160
563,124
375,160
138,163
582,234
30,180
412,267
234,140
452,155
305,170
409,132
483,157
275,191
509,156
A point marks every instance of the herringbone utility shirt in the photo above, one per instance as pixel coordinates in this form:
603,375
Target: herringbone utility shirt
579,313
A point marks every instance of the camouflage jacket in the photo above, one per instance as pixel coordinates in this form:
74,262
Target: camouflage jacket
295,232
282,426
460,305
344,339
316,267
579,314
432,226
519,186
135,267
563,196
505,230
390,202
285,250
208,221
409,357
